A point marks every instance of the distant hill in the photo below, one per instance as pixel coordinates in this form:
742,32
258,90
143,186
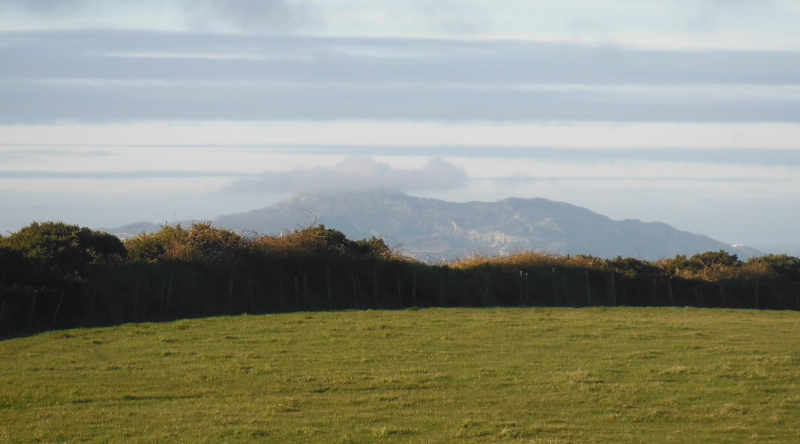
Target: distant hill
132,230
437,229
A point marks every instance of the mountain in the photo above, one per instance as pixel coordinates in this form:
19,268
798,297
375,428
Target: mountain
436,229
132,230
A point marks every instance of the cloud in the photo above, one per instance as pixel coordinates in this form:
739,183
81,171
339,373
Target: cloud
358,173
96,101
241,15
48,7
455,17
102,75
105,175
706,15
246,15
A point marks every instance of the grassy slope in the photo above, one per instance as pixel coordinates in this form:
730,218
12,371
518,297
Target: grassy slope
439,375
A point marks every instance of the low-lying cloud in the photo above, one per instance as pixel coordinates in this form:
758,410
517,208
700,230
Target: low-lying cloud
357,173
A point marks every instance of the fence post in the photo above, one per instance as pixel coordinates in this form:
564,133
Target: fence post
399,291
360,296
296,295
91,303
414,289
441,291
527,285
655,292
486,290
135,313
280,288
328,287
356,290
58,308
2,312
230,296
756,296
721,296
169,296
161,301
305,290
588,289
613,289
375,288
252,302
699,296
33,311
671,293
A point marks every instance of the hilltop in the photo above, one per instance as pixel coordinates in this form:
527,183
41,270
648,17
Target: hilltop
436,229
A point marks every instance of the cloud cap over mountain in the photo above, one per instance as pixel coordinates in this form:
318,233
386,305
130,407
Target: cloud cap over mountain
357,173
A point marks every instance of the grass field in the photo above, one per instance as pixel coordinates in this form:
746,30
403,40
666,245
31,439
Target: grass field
618,375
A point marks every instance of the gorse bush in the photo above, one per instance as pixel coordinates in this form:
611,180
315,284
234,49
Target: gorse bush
515,262
778,264
63,245
54,251
631,267
200,243
218,247
714,266
712,259
318,240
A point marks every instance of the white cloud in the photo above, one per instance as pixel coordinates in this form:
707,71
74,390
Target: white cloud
358,173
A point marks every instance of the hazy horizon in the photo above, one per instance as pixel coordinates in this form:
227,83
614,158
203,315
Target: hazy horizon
686,113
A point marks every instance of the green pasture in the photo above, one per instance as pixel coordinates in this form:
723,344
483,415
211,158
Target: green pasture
554,375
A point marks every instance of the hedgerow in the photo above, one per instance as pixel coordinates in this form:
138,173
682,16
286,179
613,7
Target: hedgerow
55,275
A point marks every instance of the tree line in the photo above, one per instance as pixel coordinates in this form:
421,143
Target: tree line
55,275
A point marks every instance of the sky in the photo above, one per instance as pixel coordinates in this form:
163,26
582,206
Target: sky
685,112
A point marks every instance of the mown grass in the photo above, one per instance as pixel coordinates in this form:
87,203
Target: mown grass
613,375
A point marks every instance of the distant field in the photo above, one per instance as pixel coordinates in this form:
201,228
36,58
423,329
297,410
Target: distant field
616,375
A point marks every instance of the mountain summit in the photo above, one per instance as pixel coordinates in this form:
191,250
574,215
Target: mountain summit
437,229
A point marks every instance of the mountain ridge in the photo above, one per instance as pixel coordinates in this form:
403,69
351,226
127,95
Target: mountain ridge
432,229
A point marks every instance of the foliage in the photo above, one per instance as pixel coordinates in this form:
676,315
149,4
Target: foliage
674,266
373,246
525,260
200,243
631,267
780,264
55,250
713,259
712,266
318,240
13,266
